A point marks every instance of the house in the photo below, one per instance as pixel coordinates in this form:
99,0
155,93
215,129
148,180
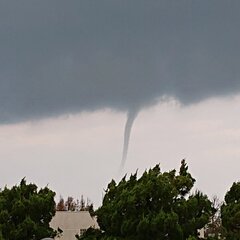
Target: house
72,223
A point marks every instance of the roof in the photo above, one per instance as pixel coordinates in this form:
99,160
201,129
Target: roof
72,222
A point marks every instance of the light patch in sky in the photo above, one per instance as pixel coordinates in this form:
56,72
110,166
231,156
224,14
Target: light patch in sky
79,154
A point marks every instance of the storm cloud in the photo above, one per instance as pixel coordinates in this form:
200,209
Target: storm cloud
59,57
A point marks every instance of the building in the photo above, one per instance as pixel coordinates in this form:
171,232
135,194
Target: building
72,223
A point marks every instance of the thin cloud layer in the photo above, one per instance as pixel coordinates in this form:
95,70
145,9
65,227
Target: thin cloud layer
59,57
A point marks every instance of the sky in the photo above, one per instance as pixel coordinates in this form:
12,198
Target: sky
72,73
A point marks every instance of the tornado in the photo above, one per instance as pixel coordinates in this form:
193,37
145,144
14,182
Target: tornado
131,116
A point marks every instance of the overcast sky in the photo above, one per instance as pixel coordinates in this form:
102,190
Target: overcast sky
71,71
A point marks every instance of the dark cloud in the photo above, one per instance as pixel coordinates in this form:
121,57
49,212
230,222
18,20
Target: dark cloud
60,57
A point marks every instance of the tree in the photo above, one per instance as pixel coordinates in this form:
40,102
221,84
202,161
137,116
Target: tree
61,205
155,206
214,229
25,212
70,204
230,212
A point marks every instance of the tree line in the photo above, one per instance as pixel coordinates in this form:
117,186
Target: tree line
72,204
157,205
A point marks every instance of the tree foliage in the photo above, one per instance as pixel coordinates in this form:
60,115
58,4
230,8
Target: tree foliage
230,212
155,206
25,212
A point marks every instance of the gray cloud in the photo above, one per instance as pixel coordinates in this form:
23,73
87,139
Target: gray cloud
60,57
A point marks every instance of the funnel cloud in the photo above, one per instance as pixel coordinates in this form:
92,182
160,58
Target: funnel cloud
127,132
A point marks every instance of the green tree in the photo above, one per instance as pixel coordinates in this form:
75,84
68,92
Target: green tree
230,212
25,212
155,206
